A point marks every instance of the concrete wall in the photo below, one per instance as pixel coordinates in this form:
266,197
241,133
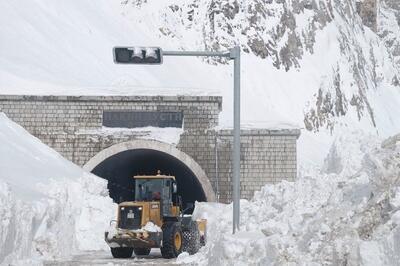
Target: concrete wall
69,123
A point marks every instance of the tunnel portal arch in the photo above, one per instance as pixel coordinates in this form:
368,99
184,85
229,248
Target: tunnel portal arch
119,162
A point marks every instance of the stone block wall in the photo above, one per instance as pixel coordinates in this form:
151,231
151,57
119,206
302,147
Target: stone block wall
267,156
68,114
69,124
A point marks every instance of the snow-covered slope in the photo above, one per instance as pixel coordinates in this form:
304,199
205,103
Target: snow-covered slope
24,158
49,207
308,63
66,48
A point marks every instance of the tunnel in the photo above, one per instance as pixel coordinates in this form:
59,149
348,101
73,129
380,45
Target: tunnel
120,168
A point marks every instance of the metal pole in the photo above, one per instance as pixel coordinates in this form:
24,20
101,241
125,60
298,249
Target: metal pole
235,55
195,53
216,166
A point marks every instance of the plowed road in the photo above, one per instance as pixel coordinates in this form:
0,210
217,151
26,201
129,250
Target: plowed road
105,258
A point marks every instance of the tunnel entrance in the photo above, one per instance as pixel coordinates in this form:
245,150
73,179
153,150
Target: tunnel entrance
120,168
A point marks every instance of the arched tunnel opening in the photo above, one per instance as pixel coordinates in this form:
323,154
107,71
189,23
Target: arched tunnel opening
120,168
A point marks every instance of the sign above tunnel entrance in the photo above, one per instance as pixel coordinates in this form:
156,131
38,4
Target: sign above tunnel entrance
136,119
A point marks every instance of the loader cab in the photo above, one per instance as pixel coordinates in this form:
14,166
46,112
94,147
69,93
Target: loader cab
160,188
151,188
148,189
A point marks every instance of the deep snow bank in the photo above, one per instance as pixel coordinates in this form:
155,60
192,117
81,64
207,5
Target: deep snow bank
347,218
49,207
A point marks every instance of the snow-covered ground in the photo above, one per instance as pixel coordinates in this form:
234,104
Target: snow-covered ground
90,258
49,207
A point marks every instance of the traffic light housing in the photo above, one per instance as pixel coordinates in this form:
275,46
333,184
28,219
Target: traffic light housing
138,55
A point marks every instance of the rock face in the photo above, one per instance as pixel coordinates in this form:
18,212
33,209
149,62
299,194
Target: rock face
285,32
266,28
368,9
389,29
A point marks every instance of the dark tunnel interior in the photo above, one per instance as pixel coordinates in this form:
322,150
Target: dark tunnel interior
120,168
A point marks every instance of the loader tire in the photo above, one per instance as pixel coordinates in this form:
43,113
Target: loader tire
141,251
191,238
202,241
122,253
172,240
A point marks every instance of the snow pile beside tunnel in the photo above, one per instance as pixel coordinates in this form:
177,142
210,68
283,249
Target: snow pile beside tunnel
49,207
345,218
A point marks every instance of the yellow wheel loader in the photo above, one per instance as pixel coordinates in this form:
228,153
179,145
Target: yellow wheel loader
155,220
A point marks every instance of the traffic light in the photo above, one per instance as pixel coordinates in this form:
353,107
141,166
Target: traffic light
138,55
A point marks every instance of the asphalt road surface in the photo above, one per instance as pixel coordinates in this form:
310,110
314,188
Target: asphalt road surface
105,258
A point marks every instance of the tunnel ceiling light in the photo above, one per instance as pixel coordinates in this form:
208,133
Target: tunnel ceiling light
138,55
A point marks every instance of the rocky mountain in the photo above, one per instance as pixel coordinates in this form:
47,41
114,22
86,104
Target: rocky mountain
282,33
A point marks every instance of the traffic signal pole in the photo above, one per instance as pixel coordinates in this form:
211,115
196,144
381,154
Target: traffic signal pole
235,55
232,54
196,53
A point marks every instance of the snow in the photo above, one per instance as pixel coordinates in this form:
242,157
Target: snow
370,254
50,208
151,227
14,168
82,34
349,217
167,135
